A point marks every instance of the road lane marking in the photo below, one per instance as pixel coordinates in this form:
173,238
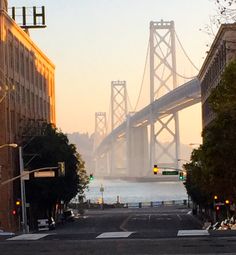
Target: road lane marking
122,226
29,237
149,218
194,232
179,217
114,235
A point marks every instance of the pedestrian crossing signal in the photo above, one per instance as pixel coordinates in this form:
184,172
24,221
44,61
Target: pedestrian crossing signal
155,169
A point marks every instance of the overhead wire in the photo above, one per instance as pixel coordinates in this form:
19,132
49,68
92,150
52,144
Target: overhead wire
143,76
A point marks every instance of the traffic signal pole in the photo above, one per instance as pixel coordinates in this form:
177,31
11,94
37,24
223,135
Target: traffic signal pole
23,198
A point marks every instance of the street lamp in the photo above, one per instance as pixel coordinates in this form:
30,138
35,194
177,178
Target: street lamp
5,90
185,160
14,145
195,144
24,215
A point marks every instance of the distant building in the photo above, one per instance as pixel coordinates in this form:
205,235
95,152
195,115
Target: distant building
27,97
222,51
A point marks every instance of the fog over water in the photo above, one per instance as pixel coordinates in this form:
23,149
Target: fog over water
135,191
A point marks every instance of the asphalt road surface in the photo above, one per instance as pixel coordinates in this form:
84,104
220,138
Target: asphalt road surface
163,230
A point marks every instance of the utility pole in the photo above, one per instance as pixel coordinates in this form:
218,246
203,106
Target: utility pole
23,197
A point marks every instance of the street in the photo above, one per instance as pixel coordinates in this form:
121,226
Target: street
163,230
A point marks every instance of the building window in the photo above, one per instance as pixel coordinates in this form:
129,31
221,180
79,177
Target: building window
13,122
11,56
32,103
6,55
28,97
17,56
31,73
17,88
27,68
22,62
36,104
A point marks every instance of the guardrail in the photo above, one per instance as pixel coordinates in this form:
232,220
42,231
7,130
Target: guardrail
88,205
155,203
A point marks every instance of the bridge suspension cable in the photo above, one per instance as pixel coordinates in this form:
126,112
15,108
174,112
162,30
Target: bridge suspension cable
143,76
168,65
185,53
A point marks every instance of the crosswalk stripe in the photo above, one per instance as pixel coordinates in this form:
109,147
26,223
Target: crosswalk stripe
29,237
194,232
123,234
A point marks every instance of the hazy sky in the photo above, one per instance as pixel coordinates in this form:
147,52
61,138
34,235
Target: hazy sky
93,42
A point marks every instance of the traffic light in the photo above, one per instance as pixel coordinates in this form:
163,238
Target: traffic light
18,203
215,197
227,202
13,212
91,177
155,169
181,176
17,209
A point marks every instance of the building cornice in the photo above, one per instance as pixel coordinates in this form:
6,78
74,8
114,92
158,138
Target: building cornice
214,47
26,37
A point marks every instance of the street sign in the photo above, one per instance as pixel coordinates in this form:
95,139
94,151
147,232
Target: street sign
43,174
170,172
219,204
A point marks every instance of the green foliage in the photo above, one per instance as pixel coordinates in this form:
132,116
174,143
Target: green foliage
48,149
223,97
197,179
212,168
83,177
220,136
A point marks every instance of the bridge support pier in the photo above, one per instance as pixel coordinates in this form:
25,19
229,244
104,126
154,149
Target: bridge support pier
137,148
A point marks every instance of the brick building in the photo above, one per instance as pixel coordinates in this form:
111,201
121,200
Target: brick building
222,51
26,96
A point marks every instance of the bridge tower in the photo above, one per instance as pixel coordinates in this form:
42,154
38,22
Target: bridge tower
119,112
118,103
99,135
163,79
100,128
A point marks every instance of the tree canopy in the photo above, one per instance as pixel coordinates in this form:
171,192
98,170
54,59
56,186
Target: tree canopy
216,158
47,149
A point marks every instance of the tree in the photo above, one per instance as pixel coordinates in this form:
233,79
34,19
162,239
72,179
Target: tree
225,13
212,167
49,148
83,177
220,137
197,179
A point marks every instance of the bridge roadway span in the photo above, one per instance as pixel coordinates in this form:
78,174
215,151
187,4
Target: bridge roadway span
182,97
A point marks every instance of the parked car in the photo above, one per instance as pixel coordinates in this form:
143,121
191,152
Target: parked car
51,223
69,215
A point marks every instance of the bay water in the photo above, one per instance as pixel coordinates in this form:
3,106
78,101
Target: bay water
132,192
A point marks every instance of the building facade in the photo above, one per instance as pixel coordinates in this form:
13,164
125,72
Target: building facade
27,95
222,51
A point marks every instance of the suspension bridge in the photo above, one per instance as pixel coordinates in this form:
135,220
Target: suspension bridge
134,143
